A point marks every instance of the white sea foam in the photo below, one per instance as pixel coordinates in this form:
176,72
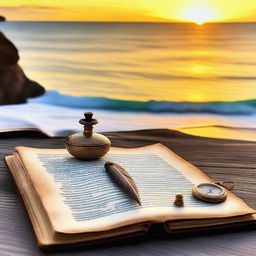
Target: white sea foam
62,120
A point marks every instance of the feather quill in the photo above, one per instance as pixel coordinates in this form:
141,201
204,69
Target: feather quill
122,178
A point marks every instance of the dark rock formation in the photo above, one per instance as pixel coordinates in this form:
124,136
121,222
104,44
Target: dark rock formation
2,18
15,87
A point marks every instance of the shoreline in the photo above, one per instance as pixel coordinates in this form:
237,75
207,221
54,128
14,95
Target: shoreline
63,121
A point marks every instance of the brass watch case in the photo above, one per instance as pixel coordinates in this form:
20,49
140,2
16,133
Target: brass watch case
209,198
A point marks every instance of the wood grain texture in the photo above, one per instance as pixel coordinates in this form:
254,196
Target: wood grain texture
220,159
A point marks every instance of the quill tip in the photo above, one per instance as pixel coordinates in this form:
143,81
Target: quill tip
107,164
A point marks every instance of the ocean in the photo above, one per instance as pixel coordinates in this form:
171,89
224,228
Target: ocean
173,62
169,74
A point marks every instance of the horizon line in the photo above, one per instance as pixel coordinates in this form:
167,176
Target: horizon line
171,21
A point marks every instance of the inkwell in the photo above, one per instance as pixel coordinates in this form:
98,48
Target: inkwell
88,145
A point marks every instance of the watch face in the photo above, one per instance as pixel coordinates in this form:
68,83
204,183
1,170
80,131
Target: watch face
209,192
210,189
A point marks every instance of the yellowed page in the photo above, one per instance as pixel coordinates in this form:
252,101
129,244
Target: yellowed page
65,189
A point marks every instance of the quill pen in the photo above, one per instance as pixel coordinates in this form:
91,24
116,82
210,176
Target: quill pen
122,178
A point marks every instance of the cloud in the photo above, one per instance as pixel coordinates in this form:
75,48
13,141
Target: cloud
82,12
26,7
30,12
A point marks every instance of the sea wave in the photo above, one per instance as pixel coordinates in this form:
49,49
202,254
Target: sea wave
52,97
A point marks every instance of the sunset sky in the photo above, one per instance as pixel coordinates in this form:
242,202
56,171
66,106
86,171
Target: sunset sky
130,10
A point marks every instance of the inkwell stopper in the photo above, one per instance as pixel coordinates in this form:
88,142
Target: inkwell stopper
88,145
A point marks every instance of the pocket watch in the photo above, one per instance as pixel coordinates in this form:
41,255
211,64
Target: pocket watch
209,192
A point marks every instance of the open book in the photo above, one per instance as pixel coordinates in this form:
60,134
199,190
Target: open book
71,201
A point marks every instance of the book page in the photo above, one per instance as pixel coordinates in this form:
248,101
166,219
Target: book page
79,195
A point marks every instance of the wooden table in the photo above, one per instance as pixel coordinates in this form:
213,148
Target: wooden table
228,160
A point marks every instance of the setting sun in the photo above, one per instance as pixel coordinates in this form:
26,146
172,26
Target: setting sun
198,11
199,15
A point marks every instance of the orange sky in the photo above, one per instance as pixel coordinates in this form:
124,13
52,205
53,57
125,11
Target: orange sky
130,10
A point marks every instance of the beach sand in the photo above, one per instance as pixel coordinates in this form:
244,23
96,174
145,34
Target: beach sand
221,132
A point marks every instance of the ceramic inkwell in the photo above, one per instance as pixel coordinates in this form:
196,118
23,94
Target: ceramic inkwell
88,145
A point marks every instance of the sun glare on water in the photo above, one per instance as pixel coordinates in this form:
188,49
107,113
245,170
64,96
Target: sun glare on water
199,15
